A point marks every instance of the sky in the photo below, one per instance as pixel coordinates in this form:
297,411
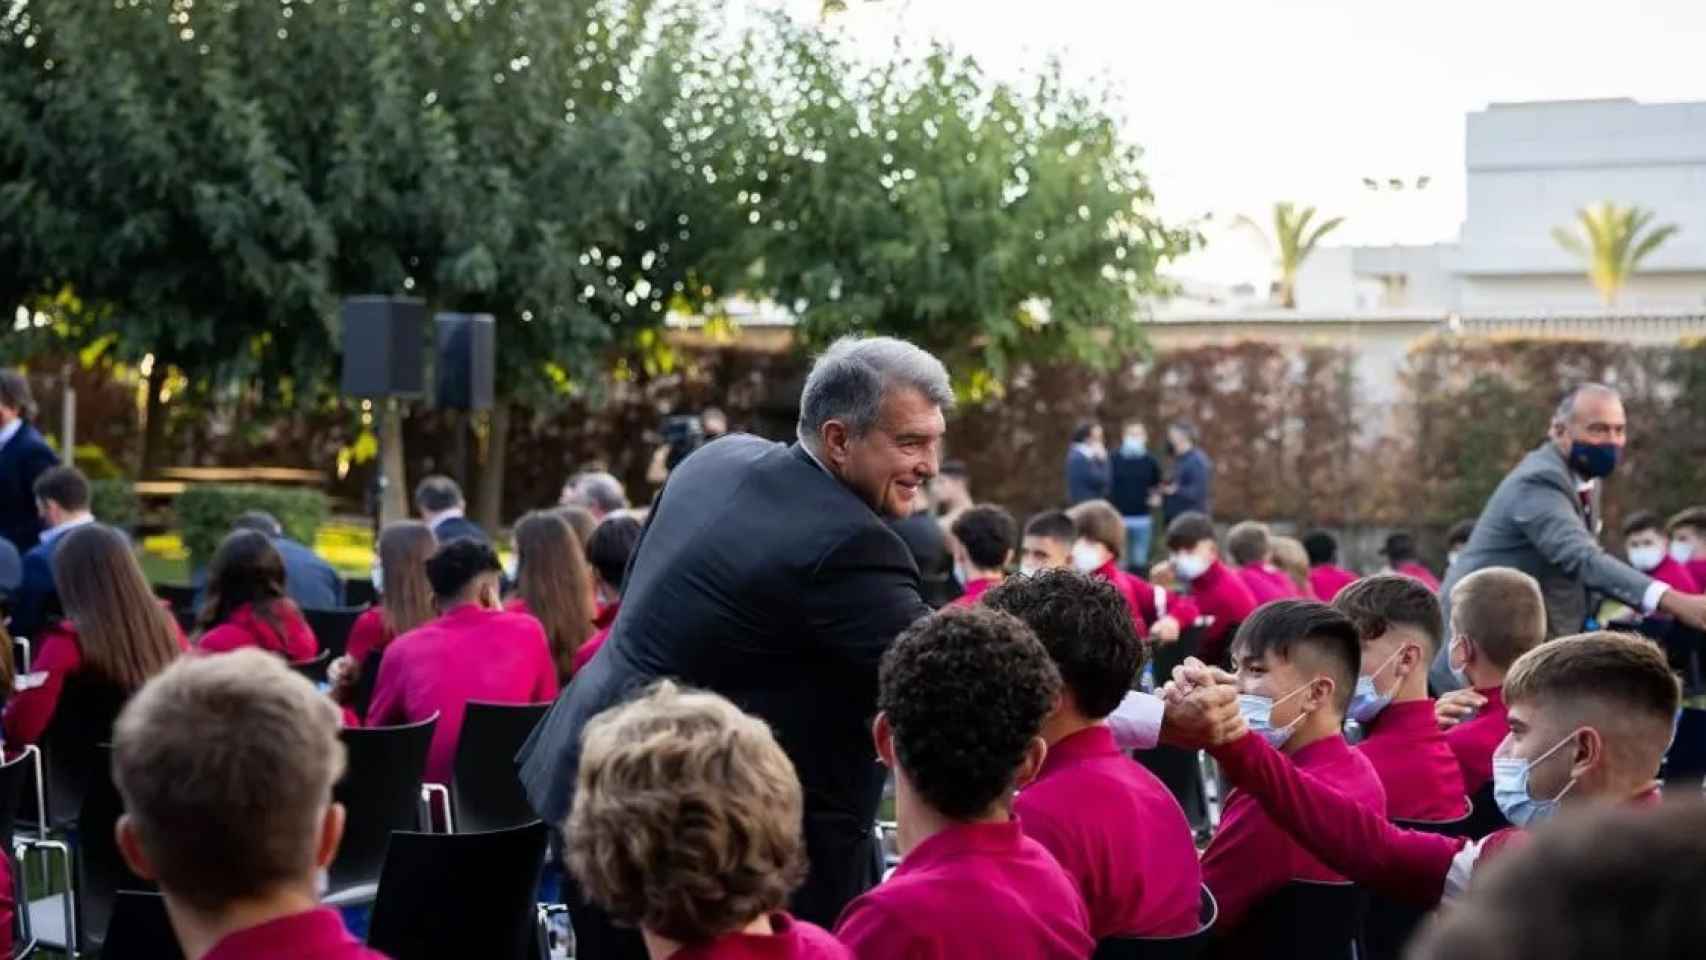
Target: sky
1239,103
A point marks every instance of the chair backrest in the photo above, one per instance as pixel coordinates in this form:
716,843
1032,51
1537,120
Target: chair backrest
331,627
381,793
1169,655
359,592
1686,757
1302,919
1445,828
485,790
1388,925
1184,947
72,755
101,870
13,775
314,669
1484,815
140,929
180,597
459,895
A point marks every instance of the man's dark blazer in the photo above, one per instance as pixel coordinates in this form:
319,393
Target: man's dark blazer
309,580
761,577
24,458
458,528
35,604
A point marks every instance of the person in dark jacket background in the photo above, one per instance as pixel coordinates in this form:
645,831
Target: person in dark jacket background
24,456
1135,474
1189,489
1086,465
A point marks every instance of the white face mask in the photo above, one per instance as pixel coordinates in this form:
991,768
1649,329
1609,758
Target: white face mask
378,577
1451,557
1645,558
1029,569
1189,566
1088,557
1681,551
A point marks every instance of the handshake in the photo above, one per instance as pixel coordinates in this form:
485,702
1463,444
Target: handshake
1200,707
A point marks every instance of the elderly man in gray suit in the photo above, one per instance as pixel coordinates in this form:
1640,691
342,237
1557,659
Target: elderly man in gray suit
1544,520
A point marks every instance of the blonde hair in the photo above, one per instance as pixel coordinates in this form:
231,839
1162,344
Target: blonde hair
1290,556
1501,610
226,765
406,602
686,817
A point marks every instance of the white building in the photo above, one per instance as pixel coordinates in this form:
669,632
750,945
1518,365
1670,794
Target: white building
1530,167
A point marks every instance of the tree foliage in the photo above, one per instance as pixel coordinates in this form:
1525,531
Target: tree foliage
1292,240
1613,240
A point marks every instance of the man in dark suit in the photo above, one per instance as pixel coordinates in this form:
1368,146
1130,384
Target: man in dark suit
308,578
767,574
439,501
62,495
1193,475
1086,465
24,456
1544,520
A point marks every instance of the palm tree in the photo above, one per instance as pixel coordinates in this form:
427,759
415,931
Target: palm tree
1613,240
1294,240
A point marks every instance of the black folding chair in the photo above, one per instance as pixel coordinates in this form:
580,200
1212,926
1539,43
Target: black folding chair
359,592
1184,947
21,771
140,929
331,627
1684,768
1388,925
485,790
460,895
180,597
381,793
1484,816
1302,919
71,747
314,669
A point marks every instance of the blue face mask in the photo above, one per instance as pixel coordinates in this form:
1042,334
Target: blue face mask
1593,459
1258,711
1366,700
1457,672
1511,791
1134,448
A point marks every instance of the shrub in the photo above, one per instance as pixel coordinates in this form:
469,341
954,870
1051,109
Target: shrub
114,502
205,513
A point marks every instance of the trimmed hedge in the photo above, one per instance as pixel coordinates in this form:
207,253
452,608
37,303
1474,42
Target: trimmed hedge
114,502
205,513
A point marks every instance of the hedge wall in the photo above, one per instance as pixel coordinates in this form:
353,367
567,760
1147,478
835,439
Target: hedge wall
205,513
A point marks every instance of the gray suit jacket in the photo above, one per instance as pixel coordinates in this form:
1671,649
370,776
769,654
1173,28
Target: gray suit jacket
1535,523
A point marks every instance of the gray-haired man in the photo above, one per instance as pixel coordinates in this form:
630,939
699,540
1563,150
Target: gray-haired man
767,574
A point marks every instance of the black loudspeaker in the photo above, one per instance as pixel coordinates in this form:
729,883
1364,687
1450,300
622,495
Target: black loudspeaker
467,353
383,352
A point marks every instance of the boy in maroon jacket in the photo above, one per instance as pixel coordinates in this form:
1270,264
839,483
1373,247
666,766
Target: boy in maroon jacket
1497,615
1217,592
235,824
1647,546
1252,550
1688,541
686,824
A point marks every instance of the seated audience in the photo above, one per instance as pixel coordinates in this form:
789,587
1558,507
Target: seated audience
607,553
1612,882
236,828
8,889
1647,546
1325,575
1216,591
987,536
1047,542
405,602
960,706
580,520
1156,612
62,500
596,492
475,650
439,502
1293,561
1457,538
115,635
1688,541
554,585
1590,719
245,605
1401,557
1252,552
1113,826
1497,615
686,824
1399,622
309,581
1297,661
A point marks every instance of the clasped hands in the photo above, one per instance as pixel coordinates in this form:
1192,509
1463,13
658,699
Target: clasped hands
1200,707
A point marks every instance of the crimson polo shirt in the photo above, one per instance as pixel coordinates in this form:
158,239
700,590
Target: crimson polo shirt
1416,766
1475,739
789,939
317,934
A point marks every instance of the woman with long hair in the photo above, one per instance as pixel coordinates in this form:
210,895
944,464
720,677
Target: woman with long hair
405,600
115,632
554,584
1293,560
245,605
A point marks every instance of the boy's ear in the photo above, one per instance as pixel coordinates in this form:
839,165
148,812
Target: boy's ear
130,847
883,735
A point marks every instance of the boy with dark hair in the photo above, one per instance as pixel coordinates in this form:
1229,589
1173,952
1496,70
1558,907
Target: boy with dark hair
1399,622
1457,538
987,535
1590,719
475,650
1325,575
1047,542
1647,546
1216,591
1112,825
1401,557
1297,662
961,700
1497,615
1251,546
686,824
235,826
1688,541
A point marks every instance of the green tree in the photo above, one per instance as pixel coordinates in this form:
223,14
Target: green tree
1613,240
1291,241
